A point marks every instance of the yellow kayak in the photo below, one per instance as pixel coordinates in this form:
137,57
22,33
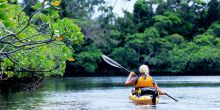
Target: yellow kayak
145,99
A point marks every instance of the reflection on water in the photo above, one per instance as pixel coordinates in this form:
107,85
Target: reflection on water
101,93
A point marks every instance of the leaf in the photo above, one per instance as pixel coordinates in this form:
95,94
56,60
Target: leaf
3,5
71,59
8,23
45,18
54,14
2,1
56,3
59,38
37,6
3,16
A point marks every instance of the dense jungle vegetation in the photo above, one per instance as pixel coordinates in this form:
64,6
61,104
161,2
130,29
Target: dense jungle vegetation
53,37
174,37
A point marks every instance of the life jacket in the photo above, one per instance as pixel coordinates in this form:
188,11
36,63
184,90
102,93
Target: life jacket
144,82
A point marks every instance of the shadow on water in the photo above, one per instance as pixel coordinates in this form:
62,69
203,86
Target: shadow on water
147,107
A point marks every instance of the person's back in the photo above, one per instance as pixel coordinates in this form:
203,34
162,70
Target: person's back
144,81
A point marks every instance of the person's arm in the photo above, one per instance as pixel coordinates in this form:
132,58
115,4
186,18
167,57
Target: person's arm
158,89
131,80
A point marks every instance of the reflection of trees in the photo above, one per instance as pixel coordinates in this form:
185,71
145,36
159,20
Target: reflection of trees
21,100
79,83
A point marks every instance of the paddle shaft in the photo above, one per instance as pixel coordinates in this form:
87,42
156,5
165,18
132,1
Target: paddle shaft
171,97
125,69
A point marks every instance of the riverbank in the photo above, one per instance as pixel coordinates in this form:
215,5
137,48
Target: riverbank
104,69
19,84
107,70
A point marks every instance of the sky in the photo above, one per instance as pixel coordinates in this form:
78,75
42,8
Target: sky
120,5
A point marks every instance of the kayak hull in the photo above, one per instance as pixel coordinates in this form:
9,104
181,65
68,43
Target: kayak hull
145,99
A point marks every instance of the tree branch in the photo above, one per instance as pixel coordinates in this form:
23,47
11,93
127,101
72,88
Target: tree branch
28,44
25,69
28,23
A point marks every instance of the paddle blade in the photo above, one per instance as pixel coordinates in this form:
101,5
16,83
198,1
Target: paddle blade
111,62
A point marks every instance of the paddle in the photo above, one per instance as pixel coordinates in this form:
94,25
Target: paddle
113,63
116,64
171,97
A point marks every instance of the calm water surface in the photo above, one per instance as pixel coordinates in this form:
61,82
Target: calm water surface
109,93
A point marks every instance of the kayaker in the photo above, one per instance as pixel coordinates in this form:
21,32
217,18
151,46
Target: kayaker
144,84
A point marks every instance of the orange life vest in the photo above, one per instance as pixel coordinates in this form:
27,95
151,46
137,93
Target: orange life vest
144,82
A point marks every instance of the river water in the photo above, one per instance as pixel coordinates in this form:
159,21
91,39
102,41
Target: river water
109,93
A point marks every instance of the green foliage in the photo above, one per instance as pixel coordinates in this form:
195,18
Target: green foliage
205,59
115,34
214,29
40,43
178,36
204,40
143,13
125,56
167,23
79,9
197,56
126,24
140,41
179,57
213,12
68,28
88,59
152,33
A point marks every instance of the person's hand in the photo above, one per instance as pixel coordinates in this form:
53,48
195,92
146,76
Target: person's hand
164,93
132,74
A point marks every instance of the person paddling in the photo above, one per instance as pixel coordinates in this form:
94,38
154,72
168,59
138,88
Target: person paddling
144,84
